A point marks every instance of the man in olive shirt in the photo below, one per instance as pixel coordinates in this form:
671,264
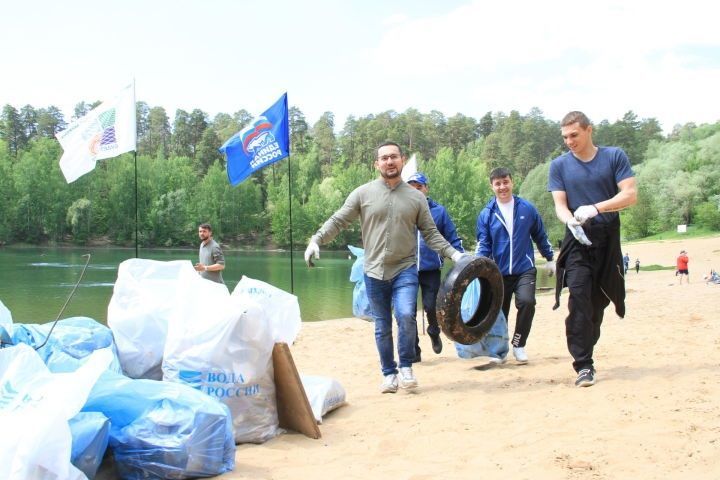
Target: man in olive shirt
212,260
390,213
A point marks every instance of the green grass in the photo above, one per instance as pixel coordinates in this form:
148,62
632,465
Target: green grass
692,232
654,267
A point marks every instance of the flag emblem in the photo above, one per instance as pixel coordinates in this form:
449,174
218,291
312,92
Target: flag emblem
263,142
105,132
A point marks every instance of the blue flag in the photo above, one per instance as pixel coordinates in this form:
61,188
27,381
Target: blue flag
263,142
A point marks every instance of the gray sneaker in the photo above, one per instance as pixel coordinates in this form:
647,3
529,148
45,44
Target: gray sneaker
407,378
390,384
585,378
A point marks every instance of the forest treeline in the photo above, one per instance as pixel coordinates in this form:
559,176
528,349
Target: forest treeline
182,181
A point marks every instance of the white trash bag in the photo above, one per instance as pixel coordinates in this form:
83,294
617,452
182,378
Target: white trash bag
35,406
142,305
282,308
324,394
222,346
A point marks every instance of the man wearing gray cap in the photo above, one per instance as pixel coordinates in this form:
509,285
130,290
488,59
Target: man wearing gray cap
429,262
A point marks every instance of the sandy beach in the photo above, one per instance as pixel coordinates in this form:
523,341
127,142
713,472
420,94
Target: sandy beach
653,413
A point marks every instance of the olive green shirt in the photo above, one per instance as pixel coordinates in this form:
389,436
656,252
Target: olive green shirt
389,220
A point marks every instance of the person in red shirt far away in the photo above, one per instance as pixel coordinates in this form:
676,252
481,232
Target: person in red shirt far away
682,266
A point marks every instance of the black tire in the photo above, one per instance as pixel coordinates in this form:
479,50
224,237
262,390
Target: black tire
449,299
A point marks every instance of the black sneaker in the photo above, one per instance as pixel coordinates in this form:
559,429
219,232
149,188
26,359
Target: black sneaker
436,342
585,378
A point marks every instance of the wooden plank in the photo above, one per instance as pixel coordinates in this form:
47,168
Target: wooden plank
294,410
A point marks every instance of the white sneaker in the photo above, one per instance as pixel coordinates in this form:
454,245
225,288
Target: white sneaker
497,361
407,378
520,355
390,384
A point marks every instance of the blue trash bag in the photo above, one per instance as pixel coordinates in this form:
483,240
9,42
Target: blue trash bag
361,304
496,342
71,341
163,429
90,433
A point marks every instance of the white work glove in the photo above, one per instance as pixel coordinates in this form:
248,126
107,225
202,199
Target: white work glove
585,213
576,229
457,256
550,267
312,250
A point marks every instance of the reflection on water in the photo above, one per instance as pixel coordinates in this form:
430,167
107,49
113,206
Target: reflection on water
35,282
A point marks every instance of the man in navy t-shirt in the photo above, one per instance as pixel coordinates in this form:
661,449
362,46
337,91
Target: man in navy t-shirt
589,185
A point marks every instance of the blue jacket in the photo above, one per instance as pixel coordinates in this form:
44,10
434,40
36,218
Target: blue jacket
515,255
428,259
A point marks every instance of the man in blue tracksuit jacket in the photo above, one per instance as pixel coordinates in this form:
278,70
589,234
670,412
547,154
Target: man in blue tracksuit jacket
429,263
505,230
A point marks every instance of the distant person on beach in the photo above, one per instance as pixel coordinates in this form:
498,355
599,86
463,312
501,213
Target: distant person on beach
637,265
506,229
390,213
212,260
589,185
429,262
682,266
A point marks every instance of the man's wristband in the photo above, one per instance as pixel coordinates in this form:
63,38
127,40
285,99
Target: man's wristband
206,268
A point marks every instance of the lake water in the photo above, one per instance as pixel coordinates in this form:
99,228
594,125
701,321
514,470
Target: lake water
35,282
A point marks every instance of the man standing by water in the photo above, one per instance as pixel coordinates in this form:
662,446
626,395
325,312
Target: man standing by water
589,186
212,260
429,263
506,229
390,211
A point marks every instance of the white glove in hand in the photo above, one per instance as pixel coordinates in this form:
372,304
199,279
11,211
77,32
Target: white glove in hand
312,250
576,229
457,256
585,213
550,267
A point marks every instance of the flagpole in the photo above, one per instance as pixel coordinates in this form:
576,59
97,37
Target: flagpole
292,271
136,206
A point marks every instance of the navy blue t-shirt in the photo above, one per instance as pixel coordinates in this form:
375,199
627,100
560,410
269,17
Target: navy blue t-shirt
587,183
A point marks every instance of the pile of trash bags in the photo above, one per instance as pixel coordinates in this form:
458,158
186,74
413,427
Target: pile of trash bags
183,374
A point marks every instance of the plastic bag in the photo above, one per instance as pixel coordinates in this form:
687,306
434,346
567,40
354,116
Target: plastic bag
282,308
222,345
90,434
324,394
142,305
494,344
162,429
35,407
71,342
361,304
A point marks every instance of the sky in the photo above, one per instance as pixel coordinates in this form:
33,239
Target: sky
658,58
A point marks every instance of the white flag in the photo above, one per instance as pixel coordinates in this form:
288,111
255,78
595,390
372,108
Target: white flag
105,132
409,169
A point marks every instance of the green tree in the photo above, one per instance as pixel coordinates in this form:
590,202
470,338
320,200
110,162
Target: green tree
324,138
12,130
299,135
534,189
79,219
7,196
50,121
28,118
181,141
